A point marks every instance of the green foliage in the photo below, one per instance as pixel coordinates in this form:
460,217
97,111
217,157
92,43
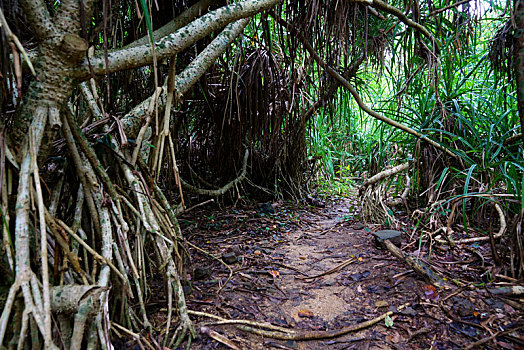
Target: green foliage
143,4
456,100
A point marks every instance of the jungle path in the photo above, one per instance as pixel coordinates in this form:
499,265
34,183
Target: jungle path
274,260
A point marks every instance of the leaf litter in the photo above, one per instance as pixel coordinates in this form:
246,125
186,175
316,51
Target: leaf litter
311,269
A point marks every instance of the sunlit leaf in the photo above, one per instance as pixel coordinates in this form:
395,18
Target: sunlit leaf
388,321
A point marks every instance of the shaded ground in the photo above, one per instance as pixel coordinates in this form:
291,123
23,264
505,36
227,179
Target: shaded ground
272,255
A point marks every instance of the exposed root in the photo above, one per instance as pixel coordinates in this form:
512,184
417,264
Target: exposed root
271,331
310,335
499,234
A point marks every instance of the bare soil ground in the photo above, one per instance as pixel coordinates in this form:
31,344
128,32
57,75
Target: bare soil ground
272,256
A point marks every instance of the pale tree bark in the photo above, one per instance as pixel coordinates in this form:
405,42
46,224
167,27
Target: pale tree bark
59,53
185,18
133,120
60,65
173,43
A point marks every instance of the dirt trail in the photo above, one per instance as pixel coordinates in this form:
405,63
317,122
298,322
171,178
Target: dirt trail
272,254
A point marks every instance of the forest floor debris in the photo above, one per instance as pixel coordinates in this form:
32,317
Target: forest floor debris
307,269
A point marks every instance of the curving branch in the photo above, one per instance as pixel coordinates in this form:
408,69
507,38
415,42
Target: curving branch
133,120
381,5
445,8
39,18
355,94
327,94
183,19
171,44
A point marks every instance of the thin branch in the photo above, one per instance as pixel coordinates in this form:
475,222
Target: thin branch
381,5
310,335
355,94
87,247
13,38
448,7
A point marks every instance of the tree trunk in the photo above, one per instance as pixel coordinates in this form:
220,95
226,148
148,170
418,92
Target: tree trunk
518,50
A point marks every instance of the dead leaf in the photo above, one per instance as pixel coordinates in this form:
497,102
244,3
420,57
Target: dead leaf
381,303
274,273
509,309
394,337
431,293
305,313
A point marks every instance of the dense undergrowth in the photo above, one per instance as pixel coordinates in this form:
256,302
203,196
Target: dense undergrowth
463,101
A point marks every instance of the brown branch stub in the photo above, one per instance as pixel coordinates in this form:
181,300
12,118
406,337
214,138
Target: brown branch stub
510,141
75,47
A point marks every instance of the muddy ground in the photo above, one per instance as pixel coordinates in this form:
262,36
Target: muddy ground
274,260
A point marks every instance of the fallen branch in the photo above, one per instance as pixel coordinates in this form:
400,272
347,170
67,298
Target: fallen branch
330,271
219,260
219,338
419,267
222,321
310,335
511,291
478,343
